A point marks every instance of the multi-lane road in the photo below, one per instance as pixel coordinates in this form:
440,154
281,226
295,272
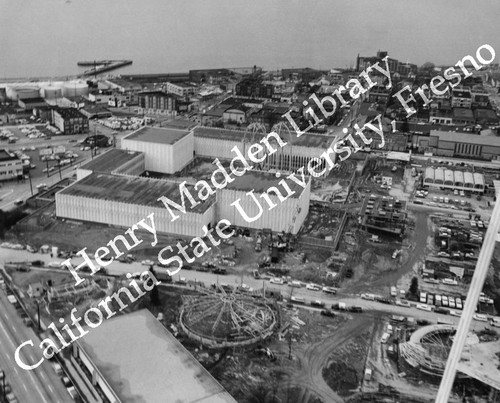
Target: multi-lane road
40,385
117,268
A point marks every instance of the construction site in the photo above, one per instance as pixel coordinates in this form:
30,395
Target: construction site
250,309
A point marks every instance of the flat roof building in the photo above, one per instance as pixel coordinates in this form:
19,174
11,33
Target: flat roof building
124,200
455,144
134,358
167,150
11,167
114,161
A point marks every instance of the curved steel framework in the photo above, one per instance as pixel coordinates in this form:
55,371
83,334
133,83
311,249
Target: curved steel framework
254,133
227,319
429,347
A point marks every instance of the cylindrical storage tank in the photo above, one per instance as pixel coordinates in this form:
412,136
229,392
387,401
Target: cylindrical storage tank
51,92
17,93
75,89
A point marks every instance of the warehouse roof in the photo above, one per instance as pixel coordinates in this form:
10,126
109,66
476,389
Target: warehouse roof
306,140
493,141
260,182
142,361
157,135
111,160
133,190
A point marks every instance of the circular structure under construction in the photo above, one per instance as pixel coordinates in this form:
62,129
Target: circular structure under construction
223,319
429,346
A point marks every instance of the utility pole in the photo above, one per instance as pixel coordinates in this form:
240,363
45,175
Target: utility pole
38,311
31,185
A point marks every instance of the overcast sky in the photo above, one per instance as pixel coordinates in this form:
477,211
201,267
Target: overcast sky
45,37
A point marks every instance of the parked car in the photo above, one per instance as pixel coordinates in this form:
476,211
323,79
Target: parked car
480,317
276,280
424,307
313,287
330,290
148,262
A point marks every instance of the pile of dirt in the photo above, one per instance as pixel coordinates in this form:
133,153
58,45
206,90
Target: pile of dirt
341,377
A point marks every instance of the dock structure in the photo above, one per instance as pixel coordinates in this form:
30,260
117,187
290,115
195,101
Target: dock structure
102,66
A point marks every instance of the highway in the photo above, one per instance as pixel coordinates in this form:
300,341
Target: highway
40,385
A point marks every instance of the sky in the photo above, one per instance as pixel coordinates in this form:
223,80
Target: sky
48,37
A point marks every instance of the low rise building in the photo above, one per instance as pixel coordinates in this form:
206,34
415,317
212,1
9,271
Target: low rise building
157,102
70,121
11,167
180,89
29,104
461,98
455,144
462,116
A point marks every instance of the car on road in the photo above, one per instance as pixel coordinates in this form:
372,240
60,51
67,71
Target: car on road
495,322
403,303
54,264
330,290
66,381
276,280
18,202
328,312
444,311
318,303
455,313
313,287
480,317
424,307
148,262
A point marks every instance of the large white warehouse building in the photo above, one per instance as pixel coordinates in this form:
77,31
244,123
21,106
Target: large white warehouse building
124,200
217,143
167,150
110,191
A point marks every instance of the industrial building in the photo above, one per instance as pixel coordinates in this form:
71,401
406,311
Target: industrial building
459,180
454,144
217,143
126,370
287,216
11,167
122,201
167,150
110,191
114,161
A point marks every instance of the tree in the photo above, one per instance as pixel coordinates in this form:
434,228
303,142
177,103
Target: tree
414,286
428,66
